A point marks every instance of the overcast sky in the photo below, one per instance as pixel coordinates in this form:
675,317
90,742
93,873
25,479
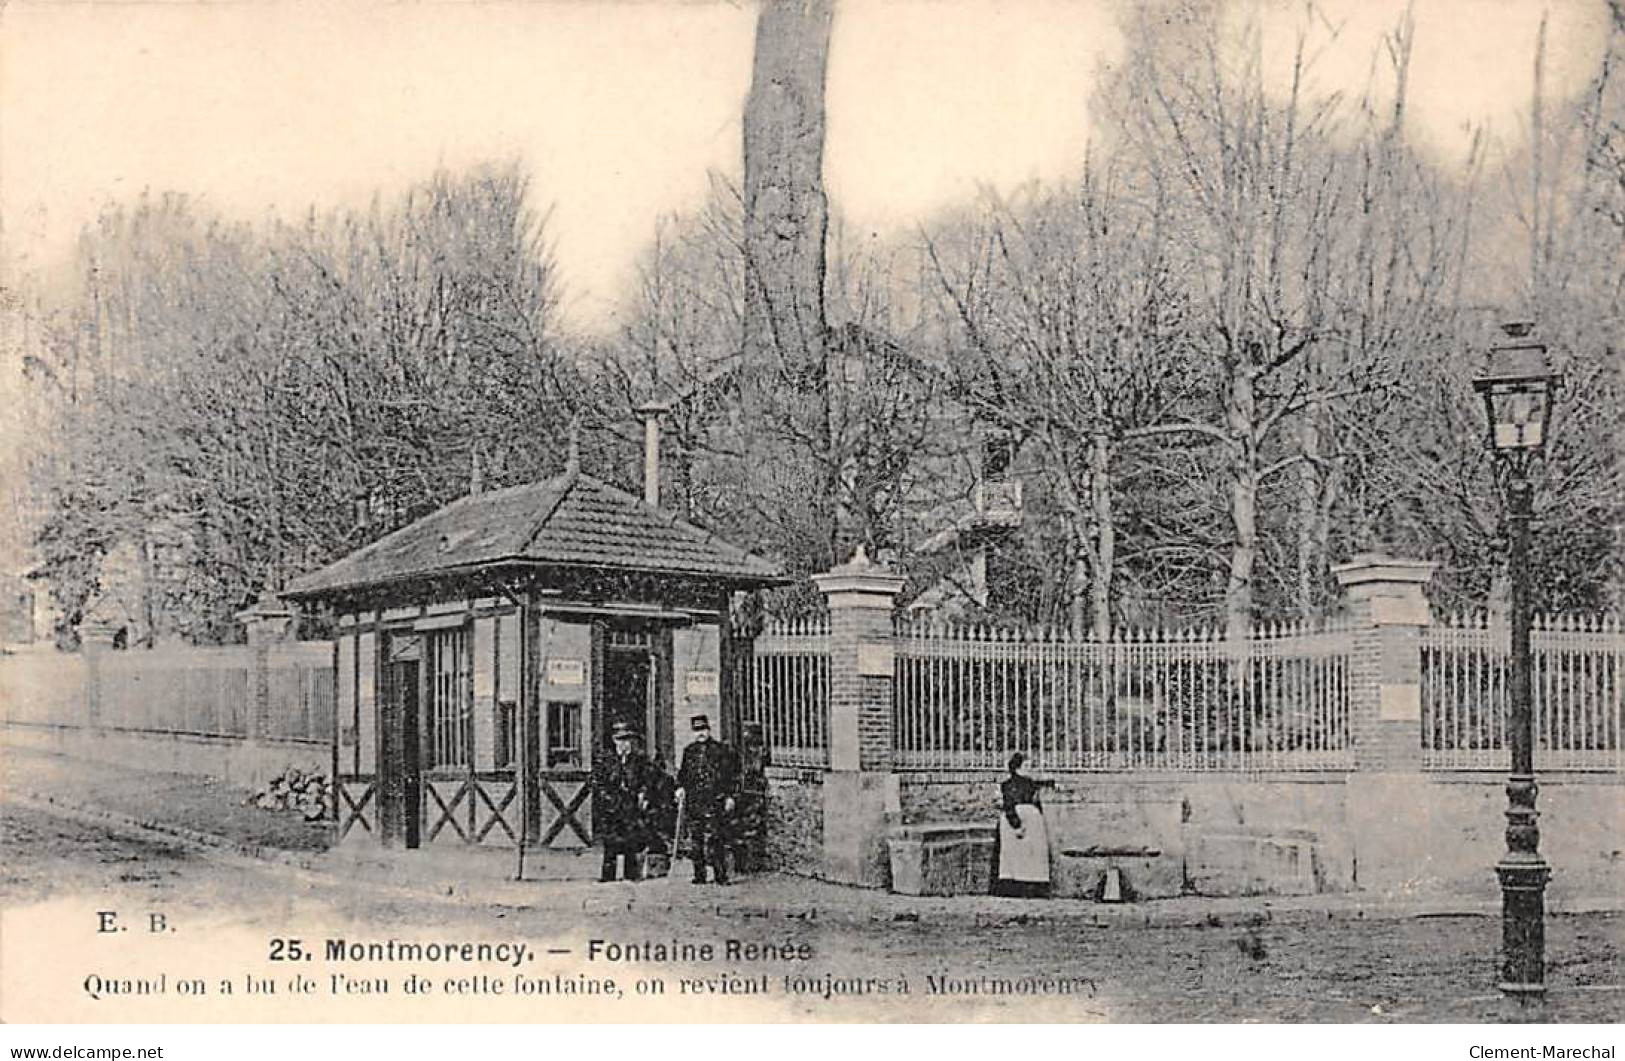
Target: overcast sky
619,110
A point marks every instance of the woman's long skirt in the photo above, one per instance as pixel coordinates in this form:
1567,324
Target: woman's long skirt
1024,859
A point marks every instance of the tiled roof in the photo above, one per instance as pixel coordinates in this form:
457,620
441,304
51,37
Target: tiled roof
572,519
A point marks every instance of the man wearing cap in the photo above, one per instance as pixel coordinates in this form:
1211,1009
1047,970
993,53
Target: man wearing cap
621,785
706,784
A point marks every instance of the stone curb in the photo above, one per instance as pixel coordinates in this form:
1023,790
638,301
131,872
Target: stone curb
869,907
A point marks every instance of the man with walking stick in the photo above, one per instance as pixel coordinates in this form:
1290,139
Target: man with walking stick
622,784
707,782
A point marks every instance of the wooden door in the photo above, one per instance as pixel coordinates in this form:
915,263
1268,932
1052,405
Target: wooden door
400,782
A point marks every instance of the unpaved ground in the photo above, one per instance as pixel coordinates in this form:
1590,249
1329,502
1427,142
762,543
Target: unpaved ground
187,801
59,871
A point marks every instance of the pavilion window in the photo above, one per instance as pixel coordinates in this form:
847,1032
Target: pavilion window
451,710
564,733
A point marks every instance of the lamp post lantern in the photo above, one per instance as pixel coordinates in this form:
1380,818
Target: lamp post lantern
1518,391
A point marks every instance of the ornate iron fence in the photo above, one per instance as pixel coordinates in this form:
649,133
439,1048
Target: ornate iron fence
968,697
1577,683
790,691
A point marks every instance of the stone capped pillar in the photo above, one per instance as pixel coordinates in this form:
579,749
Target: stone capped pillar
1390,611
1390,806
861,799
269,622
861,595
95,641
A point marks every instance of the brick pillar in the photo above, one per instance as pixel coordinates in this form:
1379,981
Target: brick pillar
860,596
95,641
267,623
1390,612
861,799
1389,802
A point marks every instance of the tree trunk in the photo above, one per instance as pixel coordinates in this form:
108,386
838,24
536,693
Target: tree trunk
1079,531
1331,484
786,212
149,590
1078,606
1311,549
1239,413
1100,487
786,373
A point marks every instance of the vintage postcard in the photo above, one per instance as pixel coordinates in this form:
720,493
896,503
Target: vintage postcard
813,511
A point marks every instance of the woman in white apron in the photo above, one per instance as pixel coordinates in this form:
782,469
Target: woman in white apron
1023,837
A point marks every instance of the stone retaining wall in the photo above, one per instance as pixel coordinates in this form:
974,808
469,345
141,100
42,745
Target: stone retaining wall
1388,834
795,823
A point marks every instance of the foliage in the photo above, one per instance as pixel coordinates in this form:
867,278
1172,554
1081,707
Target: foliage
1235,350
243,403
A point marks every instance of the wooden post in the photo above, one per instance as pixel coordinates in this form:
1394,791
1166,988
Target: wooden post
526,702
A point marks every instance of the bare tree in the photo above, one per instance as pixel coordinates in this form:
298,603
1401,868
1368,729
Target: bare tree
763,468
1073,328
1313,249
238,389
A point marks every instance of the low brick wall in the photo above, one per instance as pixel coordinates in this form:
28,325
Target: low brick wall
248,764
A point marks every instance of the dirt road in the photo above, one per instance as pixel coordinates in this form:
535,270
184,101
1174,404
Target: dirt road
219,921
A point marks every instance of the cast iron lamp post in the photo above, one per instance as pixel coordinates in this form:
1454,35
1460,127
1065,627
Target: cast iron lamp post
1518,391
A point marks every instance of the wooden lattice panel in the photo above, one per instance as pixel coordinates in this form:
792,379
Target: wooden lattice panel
445,811
358,808
496,810
566,811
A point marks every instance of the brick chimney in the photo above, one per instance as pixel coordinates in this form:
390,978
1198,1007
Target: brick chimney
651,412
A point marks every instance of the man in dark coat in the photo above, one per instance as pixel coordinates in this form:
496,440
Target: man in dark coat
621,787
707,783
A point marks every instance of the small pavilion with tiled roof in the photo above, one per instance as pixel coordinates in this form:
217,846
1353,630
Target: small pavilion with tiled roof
485,651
